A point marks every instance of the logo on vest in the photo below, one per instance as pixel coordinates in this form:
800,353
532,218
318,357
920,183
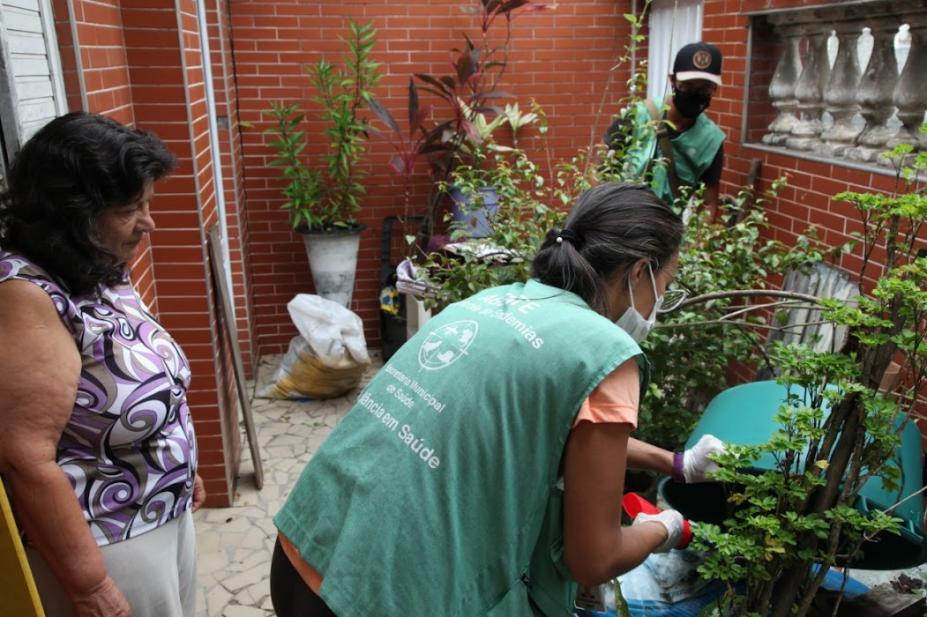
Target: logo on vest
447,344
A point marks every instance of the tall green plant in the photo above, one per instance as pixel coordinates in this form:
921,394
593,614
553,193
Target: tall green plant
802,512
691,350
689,353
328,197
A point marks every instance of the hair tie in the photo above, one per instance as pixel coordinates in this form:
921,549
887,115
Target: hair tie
566,234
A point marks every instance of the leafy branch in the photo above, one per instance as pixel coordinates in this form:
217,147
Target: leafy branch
329,198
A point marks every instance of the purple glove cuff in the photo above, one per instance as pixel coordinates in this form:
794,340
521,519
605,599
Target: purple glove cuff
678,459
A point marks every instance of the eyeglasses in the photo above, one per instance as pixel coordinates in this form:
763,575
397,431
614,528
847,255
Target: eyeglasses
672,298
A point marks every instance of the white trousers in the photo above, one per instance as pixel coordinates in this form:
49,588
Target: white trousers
155,571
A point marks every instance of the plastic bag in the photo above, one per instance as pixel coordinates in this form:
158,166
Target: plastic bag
329,357
331,330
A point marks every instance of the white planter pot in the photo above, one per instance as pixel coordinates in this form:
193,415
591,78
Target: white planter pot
333,262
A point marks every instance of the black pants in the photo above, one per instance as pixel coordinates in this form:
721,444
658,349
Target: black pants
289,593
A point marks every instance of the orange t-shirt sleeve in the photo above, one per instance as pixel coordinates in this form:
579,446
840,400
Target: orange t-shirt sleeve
615,399
310,575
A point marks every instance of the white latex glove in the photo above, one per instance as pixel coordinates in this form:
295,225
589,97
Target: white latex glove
695,462
672,520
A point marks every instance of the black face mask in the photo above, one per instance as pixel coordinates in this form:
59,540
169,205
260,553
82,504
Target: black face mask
691,104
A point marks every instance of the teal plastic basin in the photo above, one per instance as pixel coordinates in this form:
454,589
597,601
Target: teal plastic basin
745,415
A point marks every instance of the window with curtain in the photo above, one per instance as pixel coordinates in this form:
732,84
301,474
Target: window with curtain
671,24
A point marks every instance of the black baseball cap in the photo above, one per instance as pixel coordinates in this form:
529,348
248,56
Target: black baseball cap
698,61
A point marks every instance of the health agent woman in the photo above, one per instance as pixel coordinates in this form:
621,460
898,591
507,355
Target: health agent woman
481,472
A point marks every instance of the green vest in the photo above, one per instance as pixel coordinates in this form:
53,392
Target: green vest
430,496
693,151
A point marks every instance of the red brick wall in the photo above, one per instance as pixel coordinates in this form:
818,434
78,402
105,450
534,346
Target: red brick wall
560,57
104,70
142,65
186,305
103,59
71,75
811,184
229,138
808,199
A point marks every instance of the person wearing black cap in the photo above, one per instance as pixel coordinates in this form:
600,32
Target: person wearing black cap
680,147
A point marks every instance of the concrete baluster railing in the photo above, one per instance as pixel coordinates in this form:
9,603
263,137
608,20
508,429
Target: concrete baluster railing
874,95
810,89
782,86
840,94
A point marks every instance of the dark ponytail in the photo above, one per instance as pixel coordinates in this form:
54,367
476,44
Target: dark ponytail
610,227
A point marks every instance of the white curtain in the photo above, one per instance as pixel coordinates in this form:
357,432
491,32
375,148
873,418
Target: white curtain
672,24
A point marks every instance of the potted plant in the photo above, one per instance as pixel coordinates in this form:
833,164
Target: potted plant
839,480
323,201
474,202
519,226
467,91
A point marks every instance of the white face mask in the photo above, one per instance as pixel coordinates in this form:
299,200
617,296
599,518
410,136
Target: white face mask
632,322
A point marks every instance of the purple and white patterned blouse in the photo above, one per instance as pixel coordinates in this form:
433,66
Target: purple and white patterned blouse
128,449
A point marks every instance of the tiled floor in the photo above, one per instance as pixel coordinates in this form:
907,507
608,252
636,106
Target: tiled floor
235,544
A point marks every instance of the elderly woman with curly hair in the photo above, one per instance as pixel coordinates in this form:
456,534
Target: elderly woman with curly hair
97,447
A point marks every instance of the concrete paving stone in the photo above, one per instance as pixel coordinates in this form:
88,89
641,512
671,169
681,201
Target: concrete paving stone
285,465
239,524
243,579
207,540
216,515
240,553
210,563
279,451
261,590
251,512
254,539
228,541
251,499
234,610
273,506
234,555
276,415
288,440
216,599
302,431
270,530
244,598
255,561
315,440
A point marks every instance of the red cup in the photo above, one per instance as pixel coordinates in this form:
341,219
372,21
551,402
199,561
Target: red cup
634,504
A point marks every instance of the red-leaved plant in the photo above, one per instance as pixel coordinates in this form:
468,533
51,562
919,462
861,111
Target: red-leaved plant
468,90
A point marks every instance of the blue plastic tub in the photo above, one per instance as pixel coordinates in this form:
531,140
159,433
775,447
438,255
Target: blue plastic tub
473,218
745,415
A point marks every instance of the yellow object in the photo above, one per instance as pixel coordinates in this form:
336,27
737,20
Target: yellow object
309,376
20,597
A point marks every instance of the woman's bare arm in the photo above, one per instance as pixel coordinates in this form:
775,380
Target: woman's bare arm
41,368
642,455
596,547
